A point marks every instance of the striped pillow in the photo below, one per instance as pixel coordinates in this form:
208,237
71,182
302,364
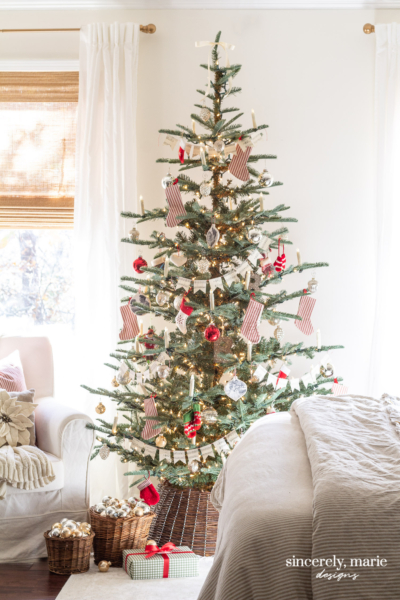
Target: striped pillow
11,373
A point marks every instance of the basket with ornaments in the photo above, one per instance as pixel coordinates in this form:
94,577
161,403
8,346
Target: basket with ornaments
119,525
69,544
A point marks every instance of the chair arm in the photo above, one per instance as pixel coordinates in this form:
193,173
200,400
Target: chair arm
52,419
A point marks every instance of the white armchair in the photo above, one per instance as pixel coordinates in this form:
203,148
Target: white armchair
61,433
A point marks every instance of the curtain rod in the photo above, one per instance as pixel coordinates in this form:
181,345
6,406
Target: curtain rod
368,28
143,28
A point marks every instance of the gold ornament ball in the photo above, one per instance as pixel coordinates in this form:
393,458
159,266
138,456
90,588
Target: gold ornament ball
139,512
161,441
104,565
114,382
65,533
278,334
78,533
151,543
57,526
84,525
100,408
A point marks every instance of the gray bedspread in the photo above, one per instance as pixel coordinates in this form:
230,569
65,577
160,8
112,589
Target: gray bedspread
354,452
319,484
265,490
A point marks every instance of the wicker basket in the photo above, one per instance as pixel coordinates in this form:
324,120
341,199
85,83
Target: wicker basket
185,517
70,555
115,535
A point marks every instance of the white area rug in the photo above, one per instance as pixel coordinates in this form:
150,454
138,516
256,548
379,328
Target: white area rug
117,585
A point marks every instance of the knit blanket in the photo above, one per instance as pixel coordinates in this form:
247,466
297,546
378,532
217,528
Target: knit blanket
353,446
24,467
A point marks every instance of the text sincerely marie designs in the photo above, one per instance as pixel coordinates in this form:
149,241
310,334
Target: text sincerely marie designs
336,563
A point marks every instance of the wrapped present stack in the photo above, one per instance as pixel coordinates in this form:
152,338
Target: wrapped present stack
153,562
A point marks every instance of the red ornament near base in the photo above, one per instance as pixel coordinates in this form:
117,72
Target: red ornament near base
138,264
212,333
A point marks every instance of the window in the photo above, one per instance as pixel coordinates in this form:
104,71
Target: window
37,149
37,187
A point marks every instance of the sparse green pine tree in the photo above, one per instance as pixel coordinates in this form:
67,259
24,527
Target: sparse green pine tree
235,210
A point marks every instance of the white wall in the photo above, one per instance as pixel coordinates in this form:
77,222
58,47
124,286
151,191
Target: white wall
310,76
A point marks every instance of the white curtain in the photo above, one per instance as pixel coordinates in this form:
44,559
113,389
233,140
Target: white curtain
384,369
105,186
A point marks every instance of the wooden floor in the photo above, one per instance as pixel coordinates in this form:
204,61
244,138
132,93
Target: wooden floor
29,581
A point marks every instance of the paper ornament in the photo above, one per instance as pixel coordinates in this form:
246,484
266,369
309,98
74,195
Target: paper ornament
235,389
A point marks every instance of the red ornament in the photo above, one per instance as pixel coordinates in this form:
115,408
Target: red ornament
138,264
212,333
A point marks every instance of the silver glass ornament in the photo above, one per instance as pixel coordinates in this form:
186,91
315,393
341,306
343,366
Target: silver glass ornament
141,299
219,146
163,371
121,513
235,389
327,370
205,188
265,179
278,333
100,507
104,452
70,525
110,511
167,181
123,379
205,114
274,321
209,415
55,532
162,298
132,501
134,234
203,265
194,466
254,236
312,285
105,500
212,236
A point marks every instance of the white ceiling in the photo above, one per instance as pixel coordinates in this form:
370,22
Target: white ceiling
195,4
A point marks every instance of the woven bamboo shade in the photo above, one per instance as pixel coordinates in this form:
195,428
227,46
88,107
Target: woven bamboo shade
37,150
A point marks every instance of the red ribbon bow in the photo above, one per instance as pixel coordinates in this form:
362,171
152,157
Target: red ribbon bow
153,549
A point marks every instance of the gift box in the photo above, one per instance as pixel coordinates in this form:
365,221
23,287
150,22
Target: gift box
157,563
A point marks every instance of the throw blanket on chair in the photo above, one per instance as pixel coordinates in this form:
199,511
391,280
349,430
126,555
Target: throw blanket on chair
24,467
353,445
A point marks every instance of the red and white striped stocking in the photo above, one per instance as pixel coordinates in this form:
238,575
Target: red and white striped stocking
150,410
131,326
238,165
175,204
252,320
306,306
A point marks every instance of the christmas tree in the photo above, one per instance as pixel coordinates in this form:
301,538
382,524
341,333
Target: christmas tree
185,395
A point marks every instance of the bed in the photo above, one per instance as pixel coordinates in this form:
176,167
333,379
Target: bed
283,499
